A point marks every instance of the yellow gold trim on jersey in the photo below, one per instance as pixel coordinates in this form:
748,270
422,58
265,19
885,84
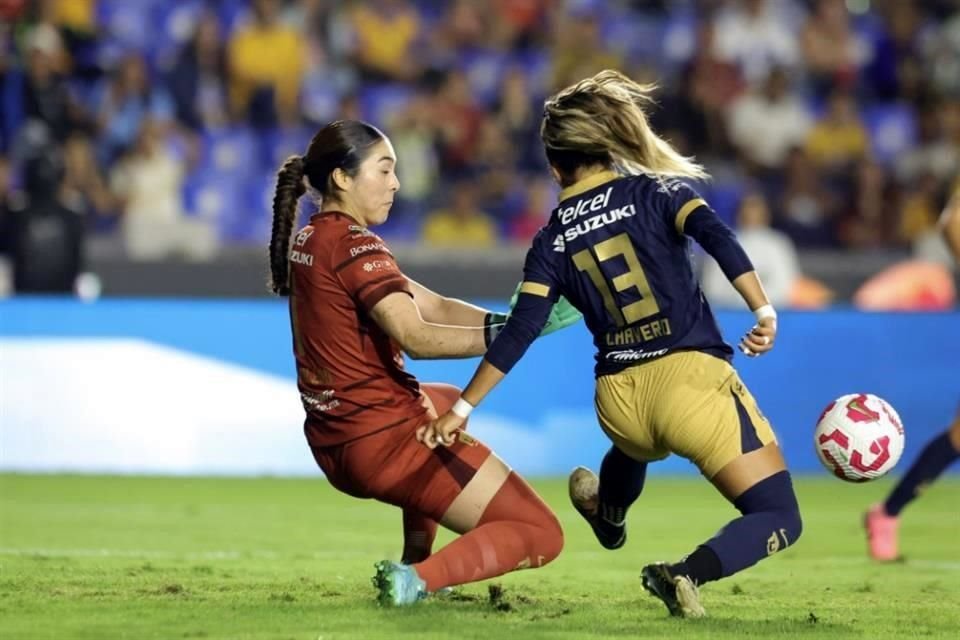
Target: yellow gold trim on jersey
590,182
686,210
535,289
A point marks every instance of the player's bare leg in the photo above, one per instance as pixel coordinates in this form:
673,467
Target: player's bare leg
759,485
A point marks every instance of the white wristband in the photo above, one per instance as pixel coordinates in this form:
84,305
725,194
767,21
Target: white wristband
766,311
461,408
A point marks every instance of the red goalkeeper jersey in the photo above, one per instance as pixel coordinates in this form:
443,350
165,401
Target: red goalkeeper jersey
350,373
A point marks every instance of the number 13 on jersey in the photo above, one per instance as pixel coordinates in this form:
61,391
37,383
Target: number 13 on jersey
633,278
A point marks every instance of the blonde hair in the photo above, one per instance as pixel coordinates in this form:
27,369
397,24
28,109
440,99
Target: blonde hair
601,120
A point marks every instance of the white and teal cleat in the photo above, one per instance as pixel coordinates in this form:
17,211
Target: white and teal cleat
398,585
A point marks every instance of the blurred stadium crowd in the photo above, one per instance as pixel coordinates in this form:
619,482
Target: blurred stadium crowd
161,123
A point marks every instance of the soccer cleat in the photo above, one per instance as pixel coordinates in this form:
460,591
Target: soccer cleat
679,593
584,488
398,584
881,534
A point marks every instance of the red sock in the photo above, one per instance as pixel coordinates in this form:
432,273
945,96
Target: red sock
517,531
419,532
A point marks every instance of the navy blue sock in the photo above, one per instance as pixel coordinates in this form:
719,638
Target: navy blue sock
621,482
935,457
770,523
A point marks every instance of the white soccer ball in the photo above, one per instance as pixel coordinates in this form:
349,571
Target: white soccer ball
859,437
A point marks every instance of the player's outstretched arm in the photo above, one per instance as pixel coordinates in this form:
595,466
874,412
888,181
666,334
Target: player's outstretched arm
440,309
399,316
950,225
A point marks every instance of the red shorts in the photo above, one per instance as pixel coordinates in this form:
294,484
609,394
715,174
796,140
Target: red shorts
393,467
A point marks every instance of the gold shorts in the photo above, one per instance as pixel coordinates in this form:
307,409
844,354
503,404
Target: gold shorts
689,403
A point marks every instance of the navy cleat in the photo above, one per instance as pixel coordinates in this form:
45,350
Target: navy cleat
584,488
679,592
398,585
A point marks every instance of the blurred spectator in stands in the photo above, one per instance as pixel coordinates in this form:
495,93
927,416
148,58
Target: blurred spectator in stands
832,51
757,36
266,62
461,224
938,153
46,96
894,67
148,183
919,209
579,50
413,135
125,102
494,170
197,78
807,209
869,219
515,114
76,21
465,24
839,139
458,119
772,253
84,188
520,21
541,198
692,117
45,235
385,35
942,54
765,124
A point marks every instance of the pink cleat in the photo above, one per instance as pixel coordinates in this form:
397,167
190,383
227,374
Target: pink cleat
881,534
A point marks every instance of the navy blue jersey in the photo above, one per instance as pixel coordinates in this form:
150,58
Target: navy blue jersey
615,247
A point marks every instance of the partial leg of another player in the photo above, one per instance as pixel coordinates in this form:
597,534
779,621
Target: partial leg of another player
603,501
882,520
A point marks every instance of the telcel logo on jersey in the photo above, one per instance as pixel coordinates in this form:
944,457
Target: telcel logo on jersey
584,207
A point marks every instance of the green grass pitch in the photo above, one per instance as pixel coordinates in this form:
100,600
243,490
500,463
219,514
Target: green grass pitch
137,557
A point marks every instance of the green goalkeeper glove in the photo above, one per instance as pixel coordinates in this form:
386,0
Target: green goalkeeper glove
562,315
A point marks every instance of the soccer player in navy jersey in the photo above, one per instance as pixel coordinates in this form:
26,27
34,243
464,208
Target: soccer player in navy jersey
616,247
882,521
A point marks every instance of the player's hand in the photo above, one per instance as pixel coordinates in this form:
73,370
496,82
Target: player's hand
760,338
562,315
442,431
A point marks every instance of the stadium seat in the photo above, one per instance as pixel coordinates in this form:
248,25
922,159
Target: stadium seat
127,21
177,22
230,151
892,129
218,197
485,70
378,102
319,98
279,144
